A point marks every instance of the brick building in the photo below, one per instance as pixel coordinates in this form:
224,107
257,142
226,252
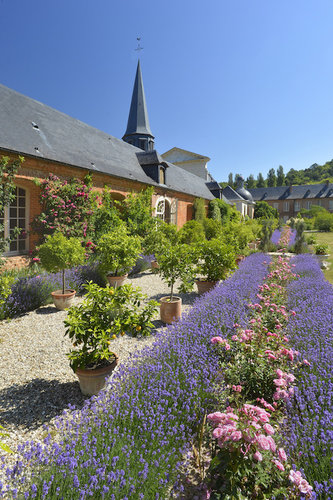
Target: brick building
53,142
289,200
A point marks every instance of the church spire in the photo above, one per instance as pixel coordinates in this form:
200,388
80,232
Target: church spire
138,130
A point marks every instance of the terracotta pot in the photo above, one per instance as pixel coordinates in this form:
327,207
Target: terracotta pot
239,259
63,300
170,310
155,264
93,380
116,281
205,286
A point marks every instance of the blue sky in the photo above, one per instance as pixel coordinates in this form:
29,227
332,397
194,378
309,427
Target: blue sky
246,82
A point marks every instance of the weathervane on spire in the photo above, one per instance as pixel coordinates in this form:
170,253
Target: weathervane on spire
139,46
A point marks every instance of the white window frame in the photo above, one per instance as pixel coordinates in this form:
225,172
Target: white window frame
160,208
276,206
297,206
286,206
9,253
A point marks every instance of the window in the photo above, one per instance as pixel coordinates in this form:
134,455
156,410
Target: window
276,205
173,213
308,204
330,205
162,175
297,206
164,209
142,144
286,206
16,216
320,203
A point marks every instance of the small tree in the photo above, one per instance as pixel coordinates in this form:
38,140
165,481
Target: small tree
176,262
216,259
59,253
117,252
136,210
300,244
214,211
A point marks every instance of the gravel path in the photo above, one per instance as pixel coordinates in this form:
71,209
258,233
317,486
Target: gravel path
36,382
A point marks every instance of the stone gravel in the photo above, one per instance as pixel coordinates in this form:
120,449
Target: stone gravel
36,382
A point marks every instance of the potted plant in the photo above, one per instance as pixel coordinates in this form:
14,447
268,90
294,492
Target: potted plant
156,237
175,262
215,260
117,253
321,252
104,315
56,254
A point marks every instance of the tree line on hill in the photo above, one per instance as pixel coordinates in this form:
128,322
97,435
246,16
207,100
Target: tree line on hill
315,174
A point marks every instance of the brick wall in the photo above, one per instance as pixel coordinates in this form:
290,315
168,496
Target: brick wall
36,168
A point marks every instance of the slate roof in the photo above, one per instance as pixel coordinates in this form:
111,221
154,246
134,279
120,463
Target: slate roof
138,122
307,191
230,194
29,127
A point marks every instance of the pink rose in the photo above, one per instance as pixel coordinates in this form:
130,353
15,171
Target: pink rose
227,347
257,456
282,454
271,442
216,417
269,429
279,465
236,436
263,442
217,340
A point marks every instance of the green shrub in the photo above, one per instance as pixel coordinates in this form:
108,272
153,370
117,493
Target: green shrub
6,282
311,239
212,228
199,209
214,211
106,216
324,222
215,259
191,233
117,252
136,210
321,249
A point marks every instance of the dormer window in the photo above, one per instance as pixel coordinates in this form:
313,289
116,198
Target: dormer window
162,175
143,144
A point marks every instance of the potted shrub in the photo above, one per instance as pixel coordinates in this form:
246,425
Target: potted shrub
117,253
104,314
156,237
175,262
215,260
321,252
57,254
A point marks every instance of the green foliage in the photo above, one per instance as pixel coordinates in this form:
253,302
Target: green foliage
4,446
8,170
314,211
136,211
311,239
58,253
215,259
267,229
212,228
67,207
263,210
105,314
157,235
324,222
191,233
260,181
6,282
250,182
214,211
227,211
176,262
321,249
117,252
271,178
280,178
106,216
199,209
300,245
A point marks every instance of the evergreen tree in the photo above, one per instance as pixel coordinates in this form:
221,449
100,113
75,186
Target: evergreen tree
250,182
280,179
231,180
260,181
271,178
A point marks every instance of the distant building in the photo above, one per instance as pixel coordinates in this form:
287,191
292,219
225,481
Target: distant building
241,198
289,200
